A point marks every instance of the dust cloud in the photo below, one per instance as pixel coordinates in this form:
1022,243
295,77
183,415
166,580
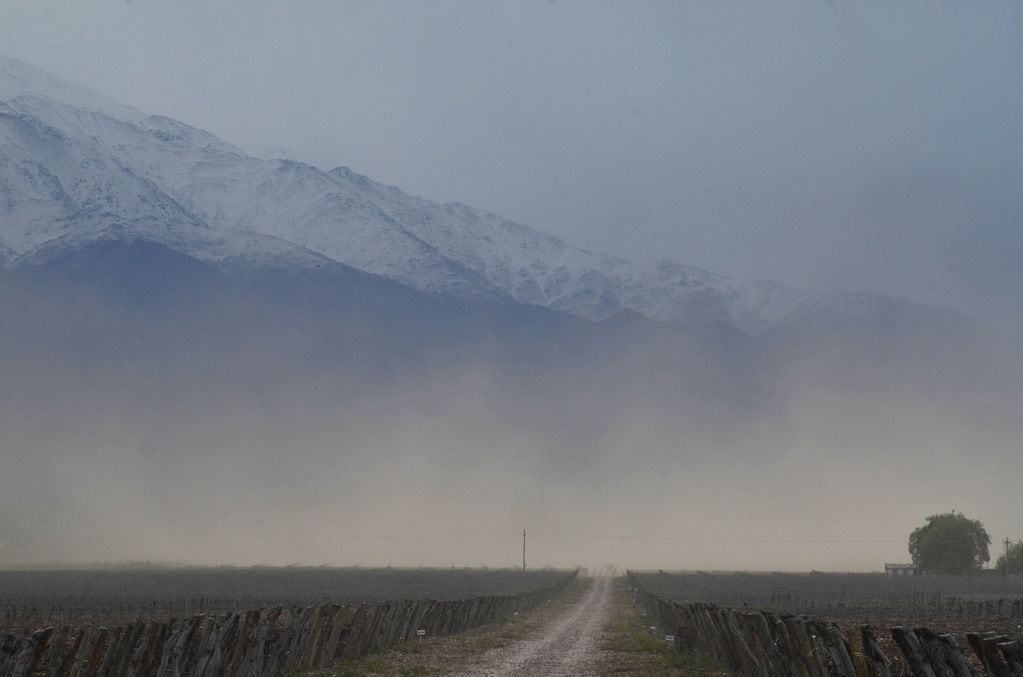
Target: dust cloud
216,427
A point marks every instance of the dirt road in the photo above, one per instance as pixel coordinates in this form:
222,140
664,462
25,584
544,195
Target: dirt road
593,628
568,645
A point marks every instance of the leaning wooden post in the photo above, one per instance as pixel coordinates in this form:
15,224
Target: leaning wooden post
839,650
876,661
993,658
914,653
944,653
1012,652
32,653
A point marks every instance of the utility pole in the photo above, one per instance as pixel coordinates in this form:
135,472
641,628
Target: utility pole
1007,544
523,549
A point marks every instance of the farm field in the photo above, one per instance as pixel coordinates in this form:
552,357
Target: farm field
38,597
984,605
942,603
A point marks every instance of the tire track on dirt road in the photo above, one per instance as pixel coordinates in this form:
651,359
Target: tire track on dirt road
568,645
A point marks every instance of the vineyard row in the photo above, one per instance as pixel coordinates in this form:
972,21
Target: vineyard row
765,643
252,643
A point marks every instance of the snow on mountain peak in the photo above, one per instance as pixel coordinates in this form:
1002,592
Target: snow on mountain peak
19,79
75,165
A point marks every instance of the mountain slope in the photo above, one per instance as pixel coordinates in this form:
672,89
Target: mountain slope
75,166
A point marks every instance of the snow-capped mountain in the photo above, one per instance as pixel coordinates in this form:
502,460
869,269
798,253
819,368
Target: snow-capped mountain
76,167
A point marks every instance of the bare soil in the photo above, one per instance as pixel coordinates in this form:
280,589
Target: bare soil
567,645
593,628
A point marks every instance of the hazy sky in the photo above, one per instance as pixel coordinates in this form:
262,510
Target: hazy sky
876,146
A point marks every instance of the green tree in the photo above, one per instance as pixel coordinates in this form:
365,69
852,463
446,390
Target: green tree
1012,562
950,543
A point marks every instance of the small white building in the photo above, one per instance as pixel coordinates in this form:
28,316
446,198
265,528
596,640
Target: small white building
901,570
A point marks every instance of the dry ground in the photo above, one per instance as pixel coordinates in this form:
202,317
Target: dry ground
593,628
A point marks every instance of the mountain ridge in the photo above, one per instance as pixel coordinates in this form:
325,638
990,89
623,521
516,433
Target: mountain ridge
76,166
